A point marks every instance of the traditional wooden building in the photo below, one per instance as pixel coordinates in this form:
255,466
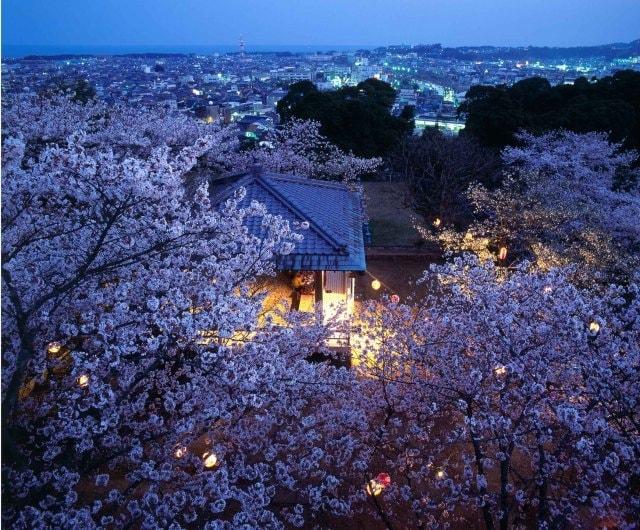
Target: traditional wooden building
332,251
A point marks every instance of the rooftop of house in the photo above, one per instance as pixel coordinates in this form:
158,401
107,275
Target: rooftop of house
334,240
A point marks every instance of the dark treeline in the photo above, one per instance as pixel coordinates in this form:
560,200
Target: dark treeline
471,53
438,169
610,104
357,119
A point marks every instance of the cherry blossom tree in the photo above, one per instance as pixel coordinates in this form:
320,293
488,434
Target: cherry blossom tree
143,385
560,203
510,398
40,121
298,147
138,387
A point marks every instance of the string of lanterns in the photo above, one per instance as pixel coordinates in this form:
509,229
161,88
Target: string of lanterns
209,458
376,283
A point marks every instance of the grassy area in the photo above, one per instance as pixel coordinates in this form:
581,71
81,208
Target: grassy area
390,219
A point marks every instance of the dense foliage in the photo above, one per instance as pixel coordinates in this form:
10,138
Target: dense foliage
559,204
496,400
137,387
356,119
144,387
610,105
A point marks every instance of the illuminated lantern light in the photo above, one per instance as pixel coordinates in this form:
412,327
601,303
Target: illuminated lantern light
209,459
180,452
500,370
594,327
440,474
377,485
54,347
83,381
502,255
375,285
437,222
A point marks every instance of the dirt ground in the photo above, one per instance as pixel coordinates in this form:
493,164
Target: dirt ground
398,274
391,221
397,256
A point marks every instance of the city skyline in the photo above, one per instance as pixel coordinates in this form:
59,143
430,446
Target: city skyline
65,26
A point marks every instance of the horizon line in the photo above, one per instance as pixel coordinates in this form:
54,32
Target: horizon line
350,45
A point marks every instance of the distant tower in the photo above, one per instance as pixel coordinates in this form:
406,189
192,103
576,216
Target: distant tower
241,46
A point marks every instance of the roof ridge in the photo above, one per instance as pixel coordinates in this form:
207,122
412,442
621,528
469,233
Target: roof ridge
311,182
282,198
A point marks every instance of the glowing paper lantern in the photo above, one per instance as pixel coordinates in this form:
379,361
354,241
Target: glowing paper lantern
594,327
180,451
209,459
440,474
83,381
437,222
376,485
375,285
502,255
500,370
54,347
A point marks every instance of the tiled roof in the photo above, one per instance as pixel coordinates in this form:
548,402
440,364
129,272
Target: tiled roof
334,240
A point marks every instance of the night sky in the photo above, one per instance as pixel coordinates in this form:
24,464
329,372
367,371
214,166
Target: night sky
318,22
